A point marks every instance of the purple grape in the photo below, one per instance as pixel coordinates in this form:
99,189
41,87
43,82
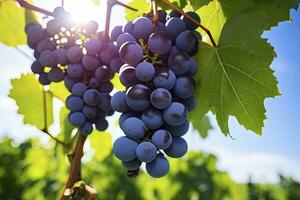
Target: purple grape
159,167
131,53
124,148
127,75
159,42
94,46
184,87
146,152
174,26
134,128
177,149
161,98
123,38
164,78
179,63
144,71
138,97
175,114
74,54
75,70
92,97
74,103
117,30
77,119
90,63
142,28
56,75
152,118
48,58
103,73
162,139
78,89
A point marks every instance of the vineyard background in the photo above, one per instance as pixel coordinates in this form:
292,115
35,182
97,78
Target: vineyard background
246,166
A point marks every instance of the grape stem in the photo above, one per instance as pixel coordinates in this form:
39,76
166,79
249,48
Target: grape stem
110,4
75,164
192,20
29,6
155,17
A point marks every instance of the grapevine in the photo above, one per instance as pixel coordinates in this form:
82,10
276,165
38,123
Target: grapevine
174,67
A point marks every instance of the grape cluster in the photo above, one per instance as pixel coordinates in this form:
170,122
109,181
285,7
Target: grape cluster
158,76
78,55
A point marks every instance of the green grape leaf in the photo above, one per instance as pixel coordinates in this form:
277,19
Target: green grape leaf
117,84
101,143
216,13
276,10
32,101
30,17
12,24
235,77
142,6
202,126
59,91
196,4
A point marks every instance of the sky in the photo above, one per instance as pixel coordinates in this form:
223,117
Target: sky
261,157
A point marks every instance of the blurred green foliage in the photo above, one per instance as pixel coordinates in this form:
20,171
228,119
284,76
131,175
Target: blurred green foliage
35,171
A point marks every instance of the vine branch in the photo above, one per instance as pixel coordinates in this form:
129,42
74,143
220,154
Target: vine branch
192,20
29,6
75,164
110,4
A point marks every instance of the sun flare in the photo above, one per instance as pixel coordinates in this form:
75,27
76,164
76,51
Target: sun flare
83,11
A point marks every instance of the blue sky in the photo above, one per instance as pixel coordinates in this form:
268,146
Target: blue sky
277,150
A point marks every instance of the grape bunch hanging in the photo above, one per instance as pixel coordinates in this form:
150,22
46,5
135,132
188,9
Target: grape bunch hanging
158,76
155,64
80,56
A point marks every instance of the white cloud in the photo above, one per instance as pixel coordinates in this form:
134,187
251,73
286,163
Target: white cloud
261,166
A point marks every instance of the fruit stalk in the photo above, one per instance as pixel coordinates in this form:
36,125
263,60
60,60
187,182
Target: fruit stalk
192,20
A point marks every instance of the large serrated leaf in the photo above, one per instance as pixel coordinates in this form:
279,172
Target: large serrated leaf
12,24
143,7
34,103
217,12
196,4
276,10
235,77
59,91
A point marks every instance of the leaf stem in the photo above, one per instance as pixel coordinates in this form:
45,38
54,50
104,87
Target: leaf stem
56,139
29,6
45,111
75,164
192,20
